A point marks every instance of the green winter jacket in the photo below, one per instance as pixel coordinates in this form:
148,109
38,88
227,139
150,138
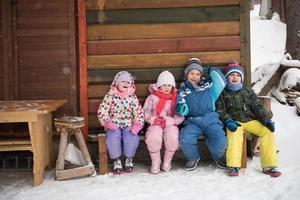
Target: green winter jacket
242,106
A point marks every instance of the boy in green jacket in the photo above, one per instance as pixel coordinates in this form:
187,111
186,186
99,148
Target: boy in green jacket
240,110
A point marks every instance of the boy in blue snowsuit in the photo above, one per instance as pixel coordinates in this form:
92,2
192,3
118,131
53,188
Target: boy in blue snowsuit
196,101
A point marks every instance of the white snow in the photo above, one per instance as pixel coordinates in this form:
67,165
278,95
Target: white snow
206,182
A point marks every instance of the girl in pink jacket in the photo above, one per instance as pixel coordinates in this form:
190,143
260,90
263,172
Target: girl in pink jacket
159,113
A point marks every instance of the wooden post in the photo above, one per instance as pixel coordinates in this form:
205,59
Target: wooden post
245,39
244,151
103,160
83,65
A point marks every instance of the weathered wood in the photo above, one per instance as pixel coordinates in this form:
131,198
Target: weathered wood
15,145
60,164
193,44
103,158
244,151
67,126
93,121
83,65
245,39
167,15
98,91
159,60
39,118
133,4
100,76
74,173
167,30
7,52
273,81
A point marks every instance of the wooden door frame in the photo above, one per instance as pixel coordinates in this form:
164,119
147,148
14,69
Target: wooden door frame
82,37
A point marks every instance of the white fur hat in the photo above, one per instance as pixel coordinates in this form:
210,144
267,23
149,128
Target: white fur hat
165,77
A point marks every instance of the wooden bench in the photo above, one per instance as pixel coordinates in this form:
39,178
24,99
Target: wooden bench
249,142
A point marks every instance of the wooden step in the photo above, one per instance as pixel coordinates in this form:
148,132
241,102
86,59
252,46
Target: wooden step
15,145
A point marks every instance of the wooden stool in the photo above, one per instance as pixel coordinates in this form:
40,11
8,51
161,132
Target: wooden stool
66,126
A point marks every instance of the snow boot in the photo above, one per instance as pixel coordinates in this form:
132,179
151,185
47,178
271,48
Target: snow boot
233,171
117,166
272,171
221,163
191,164
155,162
168,156
128,165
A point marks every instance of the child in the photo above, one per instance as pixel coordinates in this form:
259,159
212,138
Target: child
122,117
159,113
241,110
196,101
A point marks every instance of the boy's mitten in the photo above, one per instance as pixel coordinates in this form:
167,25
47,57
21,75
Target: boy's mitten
232,125
183,109
109,125
135,128
269,124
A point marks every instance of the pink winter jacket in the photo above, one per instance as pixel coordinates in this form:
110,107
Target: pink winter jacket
167,113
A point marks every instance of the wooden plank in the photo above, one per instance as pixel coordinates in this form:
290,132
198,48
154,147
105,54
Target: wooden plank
73,56
93,121
159,60
100,76
15,142
272,81
245,40
166,15
98,91
134,4
167,30
103,158
83,65
103,47
19,147
75,172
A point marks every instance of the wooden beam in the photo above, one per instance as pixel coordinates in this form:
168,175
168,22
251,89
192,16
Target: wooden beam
83,65
272,81
135,4
159,60
98,91
164,15
167,30
191,44
245,40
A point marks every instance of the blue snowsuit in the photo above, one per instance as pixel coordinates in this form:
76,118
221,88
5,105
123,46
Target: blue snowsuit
197,104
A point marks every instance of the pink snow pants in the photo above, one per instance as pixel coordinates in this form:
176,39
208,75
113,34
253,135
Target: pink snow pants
157,136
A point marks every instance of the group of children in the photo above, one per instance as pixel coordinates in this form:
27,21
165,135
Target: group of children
207,103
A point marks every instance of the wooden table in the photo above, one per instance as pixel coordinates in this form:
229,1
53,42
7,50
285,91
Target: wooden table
38,115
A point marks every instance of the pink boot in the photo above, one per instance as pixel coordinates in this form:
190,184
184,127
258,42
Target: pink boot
156,161
168,156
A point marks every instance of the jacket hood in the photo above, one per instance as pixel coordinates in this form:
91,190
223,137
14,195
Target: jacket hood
113,87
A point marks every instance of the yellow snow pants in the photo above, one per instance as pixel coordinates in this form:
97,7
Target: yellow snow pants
268,157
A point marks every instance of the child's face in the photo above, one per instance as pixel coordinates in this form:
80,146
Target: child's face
194,76
234,78
165,88
124,86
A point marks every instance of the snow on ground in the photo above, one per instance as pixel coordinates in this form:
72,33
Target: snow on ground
206,182
267,40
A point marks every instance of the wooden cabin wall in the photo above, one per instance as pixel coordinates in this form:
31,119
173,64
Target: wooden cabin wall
38,51
149,36
1,53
